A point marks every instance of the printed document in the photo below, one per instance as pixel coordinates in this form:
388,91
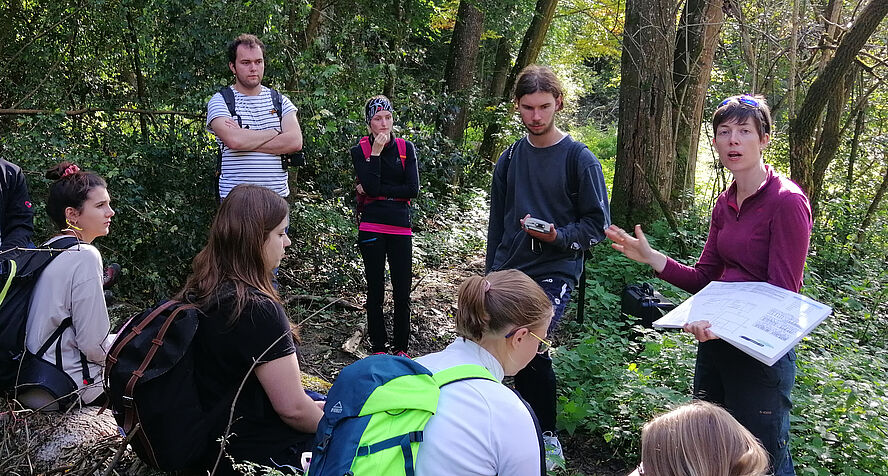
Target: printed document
761,319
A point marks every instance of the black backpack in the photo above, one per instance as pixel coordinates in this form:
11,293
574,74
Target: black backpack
19,270
149,381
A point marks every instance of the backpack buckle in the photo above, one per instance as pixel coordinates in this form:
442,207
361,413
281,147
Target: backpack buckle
127,401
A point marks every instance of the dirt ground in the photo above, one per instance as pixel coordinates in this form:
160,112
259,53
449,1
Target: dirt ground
433,304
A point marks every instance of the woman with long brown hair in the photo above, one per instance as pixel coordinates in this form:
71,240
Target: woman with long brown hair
244,342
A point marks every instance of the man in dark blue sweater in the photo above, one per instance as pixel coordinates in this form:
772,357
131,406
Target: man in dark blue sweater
548,176
16,214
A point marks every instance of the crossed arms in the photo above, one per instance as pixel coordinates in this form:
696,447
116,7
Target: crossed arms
269,141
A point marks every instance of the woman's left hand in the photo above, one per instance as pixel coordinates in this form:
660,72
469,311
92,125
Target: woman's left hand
360,189
701,331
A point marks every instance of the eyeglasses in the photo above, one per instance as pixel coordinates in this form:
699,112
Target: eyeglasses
742,99
544,345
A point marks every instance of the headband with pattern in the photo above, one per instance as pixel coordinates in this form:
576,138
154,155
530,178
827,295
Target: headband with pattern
375,105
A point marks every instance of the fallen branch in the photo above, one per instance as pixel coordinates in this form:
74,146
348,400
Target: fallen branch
339,302
90,110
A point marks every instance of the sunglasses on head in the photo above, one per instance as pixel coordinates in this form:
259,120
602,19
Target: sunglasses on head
742,99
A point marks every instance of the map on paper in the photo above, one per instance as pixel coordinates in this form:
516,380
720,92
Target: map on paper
761,319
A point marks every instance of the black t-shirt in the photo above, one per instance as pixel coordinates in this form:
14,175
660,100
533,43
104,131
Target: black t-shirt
224,353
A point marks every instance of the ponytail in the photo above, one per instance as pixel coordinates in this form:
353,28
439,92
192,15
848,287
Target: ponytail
498,301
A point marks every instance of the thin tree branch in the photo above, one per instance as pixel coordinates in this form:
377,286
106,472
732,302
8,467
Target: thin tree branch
91,110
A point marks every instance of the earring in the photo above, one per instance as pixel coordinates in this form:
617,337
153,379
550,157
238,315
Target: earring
72,226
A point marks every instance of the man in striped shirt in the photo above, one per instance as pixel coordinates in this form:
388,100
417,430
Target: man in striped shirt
253,141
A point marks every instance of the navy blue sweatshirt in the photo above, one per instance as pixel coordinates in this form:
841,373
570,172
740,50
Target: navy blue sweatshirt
383,176
539,181
17,216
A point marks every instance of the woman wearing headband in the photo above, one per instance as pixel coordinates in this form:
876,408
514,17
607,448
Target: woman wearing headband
760,231
481,427
70,288
388,177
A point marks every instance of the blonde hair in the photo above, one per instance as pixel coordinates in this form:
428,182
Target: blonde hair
700,439
500,300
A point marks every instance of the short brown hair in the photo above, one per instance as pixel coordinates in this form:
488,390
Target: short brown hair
500,300
535,78
742,108
700,438
247,39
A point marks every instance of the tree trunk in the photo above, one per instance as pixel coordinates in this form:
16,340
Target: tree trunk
695,45
733,9
801,132
391,68
859,123
828,143
871,210
645,120
460,73
137,69
313,25
792,79
831,15
528,54
497,86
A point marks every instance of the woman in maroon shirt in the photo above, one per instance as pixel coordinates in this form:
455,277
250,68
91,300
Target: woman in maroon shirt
760,230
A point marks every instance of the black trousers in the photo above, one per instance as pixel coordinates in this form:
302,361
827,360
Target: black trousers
757,395
536,382
398,250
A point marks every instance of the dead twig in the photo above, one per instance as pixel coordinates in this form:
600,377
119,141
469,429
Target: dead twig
339,302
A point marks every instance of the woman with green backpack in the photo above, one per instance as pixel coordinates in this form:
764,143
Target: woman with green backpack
481,427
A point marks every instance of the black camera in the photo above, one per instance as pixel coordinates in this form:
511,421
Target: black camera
641,301
294,159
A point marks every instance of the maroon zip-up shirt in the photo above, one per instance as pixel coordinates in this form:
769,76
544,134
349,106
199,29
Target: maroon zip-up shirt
764,240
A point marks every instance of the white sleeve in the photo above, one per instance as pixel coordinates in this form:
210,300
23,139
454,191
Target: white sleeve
287,106
216,108
516,441
89,315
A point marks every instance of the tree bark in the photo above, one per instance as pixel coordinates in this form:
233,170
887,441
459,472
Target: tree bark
140,77
528,54
828,143
801,132
645,119
497,86
460,73
871,210
859,124
733,9
313,25
695,44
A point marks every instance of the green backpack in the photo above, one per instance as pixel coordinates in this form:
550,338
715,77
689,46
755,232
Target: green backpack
375,414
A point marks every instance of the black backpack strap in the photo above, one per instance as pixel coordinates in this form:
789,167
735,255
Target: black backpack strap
228,97
573,161
539,431
55,336
277,102
84,369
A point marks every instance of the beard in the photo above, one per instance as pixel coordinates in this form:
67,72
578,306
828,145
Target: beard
545,130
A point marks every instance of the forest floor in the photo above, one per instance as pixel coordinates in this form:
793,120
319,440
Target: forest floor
433,302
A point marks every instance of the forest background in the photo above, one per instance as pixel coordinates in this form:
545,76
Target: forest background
120,87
